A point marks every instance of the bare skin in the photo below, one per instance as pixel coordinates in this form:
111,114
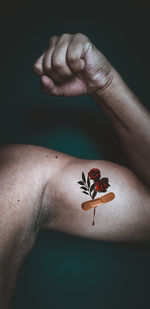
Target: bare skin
39,188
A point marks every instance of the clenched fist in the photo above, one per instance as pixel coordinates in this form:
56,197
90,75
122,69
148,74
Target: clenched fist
72,66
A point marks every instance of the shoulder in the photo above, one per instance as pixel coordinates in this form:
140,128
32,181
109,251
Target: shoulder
25,171
22,158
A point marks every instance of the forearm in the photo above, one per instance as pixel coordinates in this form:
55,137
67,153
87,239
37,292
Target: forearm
130,120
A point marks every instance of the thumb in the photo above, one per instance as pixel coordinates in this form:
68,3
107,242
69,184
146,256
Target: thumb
48,86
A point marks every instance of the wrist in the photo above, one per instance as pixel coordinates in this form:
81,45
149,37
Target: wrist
110,87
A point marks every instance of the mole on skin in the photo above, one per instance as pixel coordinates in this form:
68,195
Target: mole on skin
55,157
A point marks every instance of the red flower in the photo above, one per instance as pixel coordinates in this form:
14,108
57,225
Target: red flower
94,174
102,185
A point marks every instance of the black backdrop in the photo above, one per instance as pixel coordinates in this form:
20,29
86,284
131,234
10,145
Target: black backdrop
63,271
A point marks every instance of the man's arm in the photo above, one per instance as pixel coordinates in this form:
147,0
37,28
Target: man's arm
39,186
39,190
72,65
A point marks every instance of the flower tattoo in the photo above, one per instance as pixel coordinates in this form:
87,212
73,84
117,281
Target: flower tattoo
94,174
98,185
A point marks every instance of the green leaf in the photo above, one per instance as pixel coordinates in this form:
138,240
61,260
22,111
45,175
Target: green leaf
81,183
94,194
104,179
84,188
83,177
92,187
85,192
88,181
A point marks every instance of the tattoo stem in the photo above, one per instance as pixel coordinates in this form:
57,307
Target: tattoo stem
94,216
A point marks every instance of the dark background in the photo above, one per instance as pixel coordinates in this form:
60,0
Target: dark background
63,271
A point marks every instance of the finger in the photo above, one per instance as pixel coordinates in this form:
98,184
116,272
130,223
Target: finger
76,52
48,86
38,66
59,63
47,60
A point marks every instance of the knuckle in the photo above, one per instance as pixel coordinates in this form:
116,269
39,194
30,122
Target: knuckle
57,63
37,68
71,58
53,39
79,34
65,34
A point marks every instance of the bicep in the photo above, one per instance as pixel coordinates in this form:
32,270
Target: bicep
127,217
